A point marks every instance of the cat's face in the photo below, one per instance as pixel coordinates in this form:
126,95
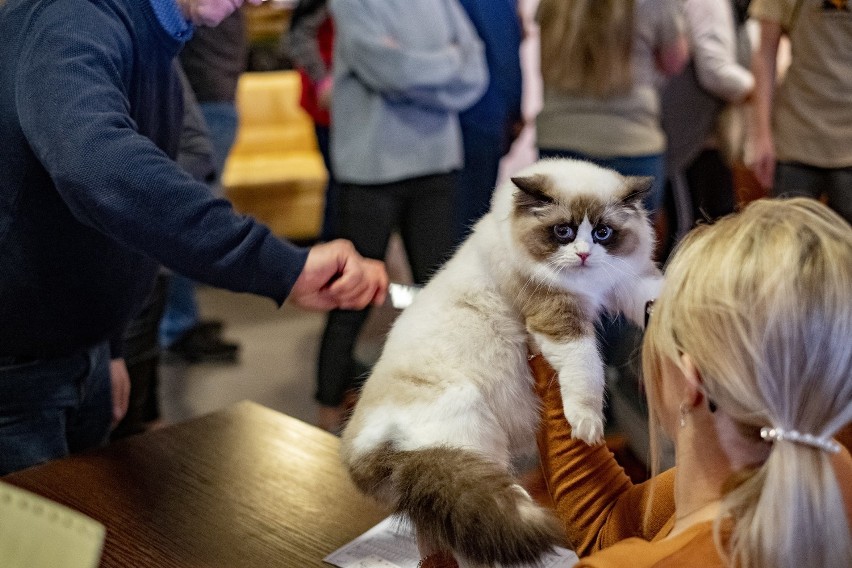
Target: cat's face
576,219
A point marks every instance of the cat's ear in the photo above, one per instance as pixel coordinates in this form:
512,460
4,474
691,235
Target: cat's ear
532,192
636,189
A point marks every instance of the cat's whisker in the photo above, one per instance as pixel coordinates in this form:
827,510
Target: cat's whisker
624,272
631,268
535,292
522,293
610,268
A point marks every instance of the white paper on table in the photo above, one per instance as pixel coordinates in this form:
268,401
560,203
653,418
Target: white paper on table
38,533
391,544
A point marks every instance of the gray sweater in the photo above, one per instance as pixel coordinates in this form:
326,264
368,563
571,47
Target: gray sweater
403,70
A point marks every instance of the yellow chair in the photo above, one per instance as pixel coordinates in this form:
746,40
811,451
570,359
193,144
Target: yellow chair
274,171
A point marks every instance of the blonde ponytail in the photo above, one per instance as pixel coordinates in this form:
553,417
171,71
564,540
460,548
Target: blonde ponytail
789,514
762,302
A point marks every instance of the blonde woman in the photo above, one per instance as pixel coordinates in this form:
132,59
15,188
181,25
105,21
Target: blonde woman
747,362
602,62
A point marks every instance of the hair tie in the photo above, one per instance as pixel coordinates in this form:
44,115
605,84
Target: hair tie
781,435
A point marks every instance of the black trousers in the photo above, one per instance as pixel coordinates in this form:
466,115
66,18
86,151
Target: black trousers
421,209
711,184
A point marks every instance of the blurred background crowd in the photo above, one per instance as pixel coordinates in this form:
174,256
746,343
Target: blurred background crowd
389,123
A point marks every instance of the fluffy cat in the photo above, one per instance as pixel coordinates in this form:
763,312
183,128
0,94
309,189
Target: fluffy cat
450,399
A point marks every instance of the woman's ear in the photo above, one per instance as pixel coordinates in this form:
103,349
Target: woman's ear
694,384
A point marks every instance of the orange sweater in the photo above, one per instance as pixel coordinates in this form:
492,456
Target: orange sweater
604,513
609,521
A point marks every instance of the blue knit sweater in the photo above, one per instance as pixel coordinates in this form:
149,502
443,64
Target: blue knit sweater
91,200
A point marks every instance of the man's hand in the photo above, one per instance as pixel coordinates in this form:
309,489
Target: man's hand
336,276
120,380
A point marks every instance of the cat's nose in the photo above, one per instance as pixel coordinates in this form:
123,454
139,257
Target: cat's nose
583,256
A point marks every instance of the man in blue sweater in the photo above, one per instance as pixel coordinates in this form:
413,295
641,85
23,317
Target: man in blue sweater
92,201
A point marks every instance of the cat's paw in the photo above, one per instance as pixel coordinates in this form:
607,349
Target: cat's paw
586,425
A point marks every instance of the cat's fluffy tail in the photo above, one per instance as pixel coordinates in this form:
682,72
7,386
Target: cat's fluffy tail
461,502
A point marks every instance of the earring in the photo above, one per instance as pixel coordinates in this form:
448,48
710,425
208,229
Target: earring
683,412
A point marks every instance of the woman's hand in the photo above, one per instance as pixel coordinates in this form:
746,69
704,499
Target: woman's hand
438,560
432,557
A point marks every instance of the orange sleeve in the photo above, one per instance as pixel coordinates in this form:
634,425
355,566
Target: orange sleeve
595,500
844,436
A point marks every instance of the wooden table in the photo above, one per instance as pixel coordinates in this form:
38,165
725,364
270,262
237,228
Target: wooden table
242,487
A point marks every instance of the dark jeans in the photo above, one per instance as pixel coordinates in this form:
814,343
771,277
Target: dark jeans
180,313
421,210
50,408
794,179
482,154
222,123
331,210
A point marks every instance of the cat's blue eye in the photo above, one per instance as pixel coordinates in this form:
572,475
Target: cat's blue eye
602,234
564,233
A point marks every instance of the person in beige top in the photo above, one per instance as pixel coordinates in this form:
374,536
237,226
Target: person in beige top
803,128
746,360
602,62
